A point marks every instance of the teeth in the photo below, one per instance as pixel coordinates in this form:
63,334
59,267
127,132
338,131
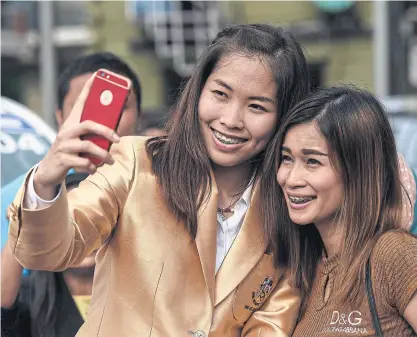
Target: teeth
226,140
300,200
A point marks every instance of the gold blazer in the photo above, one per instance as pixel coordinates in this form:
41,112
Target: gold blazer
151,279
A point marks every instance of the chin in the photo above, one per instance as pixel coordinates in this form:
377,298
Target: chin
225,163
228,160
301,221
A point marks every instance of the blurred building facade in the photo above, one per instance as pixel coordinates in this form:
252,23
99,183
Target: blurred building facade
338,41
162,39
21,39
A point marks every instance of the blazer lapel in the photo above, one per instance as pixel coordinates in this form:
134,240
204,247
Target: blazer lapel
247,249
206,237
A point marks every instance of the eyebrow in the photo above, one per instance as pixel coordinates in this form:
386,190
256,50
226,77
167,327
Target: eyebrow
262,99
221,83
305,151
257,98
315,152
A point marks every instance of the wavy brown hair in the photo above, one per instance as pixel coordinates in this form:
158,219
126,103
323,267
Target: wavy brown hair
363,152
180,160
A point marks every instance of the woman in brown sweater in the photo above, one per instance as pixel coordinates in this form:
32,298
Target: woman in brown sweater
342,200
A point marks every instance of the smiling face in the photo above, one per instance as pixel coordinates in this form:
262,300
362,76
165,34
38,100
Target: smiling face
238,110
313,189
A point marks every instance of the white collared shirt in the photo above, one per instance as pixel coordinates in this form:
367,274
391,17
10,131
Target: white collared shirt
227,229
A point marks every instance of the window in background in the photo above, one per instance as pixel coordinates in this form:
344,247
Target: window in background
178,31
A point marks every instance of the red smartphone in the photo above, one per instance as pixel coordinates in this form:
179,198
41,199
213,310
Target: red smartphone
104,105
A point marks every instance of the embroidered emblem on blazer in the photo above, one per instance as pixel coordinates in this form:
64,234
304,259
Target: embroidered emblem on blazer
265,288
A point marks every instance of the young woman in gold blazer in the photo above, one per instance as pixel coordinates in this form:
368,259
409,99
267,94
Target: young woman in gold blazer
177,220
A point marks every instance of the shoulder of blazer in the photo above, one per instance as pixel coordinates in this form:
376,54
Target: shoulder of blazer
138,143
143,161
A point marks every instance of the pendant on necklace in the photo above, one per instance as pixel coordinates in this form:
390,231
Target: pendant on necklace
226,210
221,212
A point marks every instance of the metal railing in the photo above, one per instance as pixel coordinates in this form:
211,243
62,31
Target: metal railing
181,34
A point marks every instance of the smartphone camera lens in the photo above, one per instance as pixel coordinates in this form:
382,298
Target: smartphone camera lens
102,74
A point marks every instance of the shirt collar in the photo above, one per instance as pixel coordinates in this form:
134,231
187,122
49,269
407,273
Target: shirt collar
246,196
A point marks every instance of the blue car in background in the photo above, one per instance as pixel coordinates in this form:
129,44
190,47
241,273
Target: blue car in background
25,139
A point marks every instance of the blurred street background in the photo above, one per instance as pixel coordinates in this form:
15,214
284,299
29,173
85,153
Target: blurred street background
369,43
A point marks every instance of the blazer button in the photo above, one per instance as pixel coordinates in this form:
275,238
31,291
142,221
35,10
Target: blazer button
197,333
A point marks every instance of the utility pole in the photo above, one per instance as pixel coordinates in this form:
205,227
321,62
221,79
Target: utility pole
47,62
381,49
402,38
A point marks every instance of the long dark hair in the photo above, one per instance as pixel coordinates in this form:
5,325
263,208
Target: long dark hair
180,160
363,153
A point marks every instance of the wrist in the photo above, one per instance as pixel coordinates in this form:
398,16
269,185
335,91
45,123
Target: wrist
43,189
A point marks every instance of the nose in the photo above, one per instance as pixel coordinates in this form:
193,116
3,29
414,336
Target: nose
295,177
232,118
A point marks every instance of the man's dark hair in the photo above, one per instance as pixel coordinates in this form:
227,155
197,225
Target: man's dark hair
91,63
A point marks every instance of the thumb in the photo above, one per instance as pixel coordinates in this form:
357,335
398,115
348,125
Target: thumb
77,110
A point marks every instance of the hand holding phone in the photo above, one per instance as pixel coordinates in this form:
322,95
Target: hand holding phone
104,105
84,139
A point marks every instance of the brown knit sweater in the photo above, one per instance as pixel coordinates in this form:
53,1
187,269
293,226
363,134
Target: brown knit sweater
394,281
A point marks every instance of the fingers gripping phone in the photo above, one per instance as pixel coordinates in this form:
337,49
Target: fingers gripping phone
104,105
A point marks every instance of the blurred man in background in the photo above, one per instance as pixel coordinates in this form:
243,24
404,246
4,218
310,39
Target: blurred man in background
55,304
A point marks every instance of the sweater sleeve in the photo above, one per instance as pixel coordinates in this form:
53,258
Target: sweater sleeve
395,257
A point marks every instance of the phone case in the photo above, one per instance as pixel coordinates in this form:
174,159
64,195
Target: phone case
104,105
